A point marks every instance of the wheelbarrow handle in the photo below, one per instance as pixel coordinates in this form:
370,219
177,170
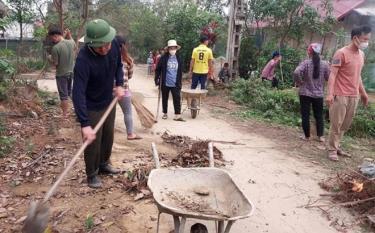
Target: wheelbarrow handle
155,155
211,154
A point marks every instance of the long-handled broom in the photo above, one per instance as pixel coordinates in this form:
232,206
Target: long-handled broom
37,217
145,116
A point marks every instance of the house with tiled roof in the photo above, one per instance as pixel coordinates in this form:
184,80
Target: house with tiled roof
348,14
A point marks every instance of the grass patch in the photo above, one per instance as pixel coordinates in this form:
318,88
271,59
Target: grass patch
282,106
6,145
89,222
48,99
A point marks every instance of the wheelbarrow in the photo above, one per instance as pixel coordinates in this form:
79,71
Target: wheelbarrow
205,193
194,99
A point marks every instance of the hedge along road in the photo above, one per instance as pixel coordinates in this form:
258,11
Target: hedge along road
276,183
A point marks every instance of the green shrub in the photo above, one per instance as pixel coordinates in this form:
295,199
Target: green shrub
6,53
282,106
3,90
254,59
248,58
7,69
34,64
6,144
363,123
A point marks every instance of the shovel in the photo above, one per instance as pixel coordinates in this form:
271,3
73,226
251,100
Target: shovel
37,216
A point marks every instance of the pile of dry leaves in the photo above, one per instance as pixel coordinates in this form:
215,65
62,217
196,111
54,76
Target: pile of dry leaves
135,181
193,153
177,140
196,155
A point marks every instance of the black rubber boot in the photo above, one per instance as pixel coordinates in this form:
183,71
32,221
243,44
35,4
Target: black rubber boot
108,169
94,182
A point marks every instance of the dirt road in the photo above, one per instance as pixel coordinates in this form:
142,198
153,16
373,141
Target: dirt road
276,183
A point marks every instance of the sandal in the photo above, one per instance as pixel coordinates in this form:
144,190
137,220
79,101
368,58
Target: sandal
135,138
343,153
304,138
333,156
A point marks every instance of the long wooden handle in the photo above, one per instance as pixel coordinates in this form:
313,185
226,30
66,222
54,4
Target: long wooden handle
211,154
52,190
155,155
157,109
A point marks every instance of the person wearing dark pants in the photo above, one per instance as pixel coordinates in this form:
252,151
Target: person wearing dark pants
62,56
317,106
201,64
98,67
176,96
98,153
199,79
310,76
168,75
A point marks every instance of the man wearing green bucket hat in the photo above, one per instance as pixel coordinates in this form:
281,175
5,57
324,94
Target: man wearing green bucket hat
97,67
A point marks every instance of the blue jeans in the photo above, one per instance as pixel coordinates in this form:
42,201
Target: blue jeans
199,78
126,106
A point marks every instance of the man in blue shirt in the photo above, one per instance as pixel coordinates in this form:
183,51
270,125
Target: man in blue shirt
98,67
168,74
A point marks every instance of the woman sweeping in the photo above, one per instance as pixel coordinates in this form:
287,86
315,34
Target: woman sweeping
126,103
168,75
310,77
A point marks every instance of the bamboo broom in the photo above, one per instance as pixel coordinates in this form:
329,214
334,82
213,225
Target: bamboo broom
146,118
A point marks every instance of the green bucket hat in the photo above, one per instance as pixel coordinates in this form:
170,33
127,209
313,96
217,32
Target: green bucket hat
98,32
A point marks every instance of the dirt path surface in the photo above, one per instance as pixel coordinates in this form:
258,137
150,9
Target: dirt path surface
278,184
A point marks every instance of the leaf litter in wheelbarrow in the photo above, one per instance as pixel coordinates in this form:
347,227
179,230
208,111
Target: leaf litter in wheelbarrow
194,153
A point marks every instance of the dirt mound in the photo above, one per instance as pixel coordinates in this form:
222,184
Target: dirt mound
23,100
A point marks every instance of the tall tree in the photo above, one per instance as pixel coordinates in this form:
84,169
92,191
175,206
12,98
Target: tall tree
291,18
22,12
215,6
186,23
60,12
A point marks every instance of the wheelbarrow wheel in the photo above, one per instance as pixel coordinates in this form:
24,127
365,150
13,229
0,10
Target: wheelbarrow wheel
194,108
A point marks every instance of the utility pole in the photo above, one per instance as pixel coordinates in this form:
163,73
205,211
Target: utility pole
237,9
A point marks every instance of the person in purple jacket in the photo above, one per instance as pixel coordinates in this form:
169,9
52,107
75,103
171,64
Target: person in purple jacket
310,76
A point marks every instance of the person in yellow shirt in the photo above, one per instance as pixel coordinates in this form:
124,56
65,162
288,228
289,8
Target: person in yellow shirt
201,64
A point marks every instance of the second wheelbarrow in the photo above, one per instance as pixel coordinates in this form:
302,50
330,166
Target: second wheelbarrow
193,99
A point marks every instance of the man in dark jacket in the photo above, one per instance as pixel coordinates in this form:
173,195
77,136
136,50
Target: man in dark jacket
98,67
168,74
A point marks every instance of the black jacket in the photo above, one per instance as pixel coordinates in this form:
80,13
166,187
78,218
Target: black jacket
94,76
161,70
